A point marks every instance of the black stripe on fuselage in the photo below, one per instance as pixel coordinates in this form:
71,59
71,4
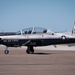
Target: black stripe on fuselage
38,42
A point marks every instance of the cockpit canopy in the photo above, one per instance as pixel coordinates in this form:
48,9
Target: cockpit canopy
32,30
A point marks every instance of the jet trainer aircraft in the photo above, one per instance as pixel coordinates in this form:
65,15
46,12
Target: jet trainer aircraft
33,37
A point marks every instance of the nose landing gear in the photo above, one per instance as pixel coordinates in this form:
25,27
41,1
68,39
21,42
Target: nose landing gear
6,51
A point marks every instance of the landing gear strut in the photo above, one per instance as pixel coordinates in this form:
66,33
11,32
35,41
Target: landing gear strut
30,50
6,51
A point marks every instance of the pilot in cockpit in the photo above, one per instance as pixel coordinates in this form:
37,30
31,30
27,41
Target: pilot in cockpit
45,31
29,32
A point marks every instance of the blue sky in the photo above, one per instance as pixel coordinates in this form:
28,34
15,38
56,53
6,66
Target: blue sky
57,15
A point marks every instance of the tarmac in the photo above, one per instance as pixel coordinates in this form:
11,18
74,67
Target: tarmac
42,62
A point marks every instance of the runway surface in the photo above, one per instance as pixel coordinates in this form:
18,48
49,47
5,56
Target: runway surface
42,62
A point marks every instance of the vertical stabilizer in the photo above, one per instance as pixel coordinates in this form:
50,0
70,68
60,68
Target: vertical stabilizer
73,30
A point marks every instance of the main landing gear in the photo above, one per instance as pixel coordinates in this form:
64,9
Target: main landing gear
6,51
30,50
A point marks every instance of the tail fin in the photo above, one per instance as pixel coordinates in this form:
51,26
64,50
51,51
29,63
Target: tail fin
73,30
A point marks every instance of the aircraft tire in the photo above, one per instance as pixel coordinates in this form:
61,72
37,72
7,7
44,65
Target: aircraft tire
27,51
6,51
30,51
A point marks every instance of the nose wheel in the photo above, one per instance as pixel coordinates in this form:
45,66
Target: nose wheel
6,51
30,50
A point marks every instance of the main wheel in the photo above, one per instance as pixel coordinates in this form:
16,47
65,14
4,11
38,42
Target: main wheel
6,51
30,50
